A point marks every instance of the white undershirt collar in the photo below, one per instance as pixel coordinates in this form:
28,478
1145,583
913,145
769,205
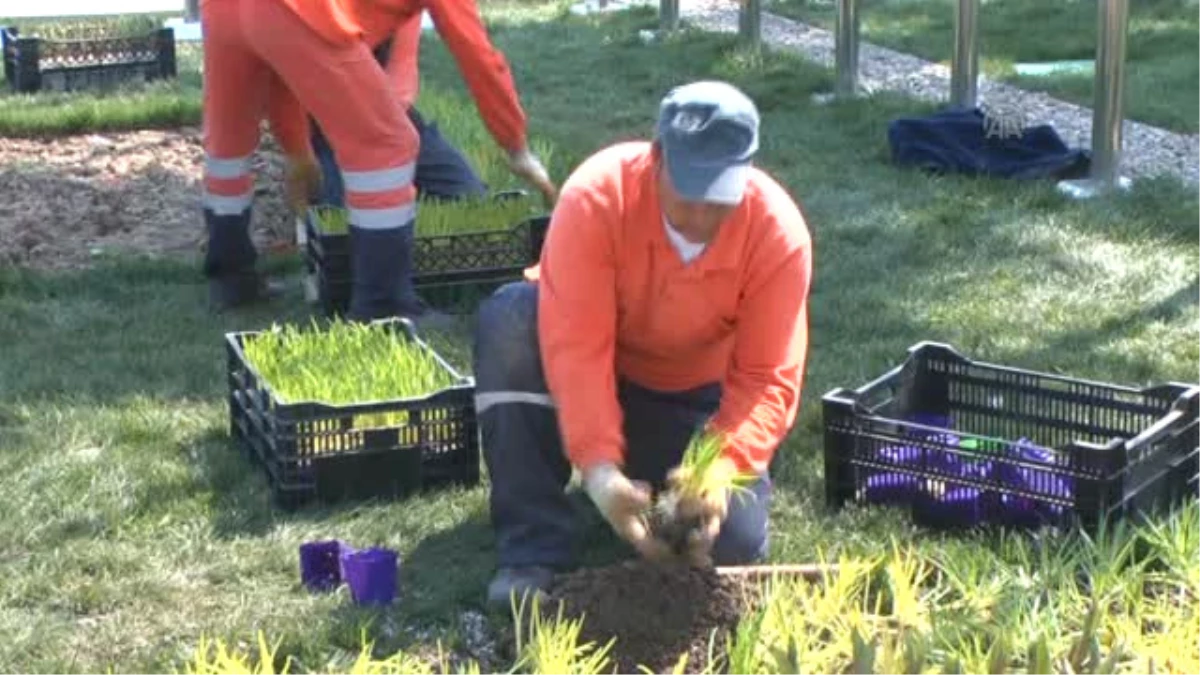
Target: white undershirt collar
687,250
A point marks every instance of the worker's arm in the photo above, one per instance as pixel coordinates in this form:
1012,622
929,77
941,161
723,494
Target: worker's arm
761,392
288,121
577,324
485,70
402,66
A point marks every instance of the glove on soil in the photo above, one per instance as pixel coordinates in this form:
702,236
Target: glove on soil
621,502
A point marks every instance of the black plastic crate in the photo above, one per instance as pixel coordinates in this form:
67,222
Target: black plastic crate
442,262
965,444
312,452
34,64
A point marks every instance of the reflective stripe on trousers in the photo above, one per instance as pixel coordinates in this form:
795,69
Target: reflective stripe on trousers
382,199
491,398
228,184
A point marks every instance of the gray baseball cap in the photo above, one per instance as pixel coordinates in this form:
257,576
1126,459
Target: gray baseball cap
708,132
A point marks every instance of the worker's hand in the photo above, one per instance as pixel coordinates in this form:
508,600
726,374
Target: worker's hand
709,508
302,182
621,502
526,165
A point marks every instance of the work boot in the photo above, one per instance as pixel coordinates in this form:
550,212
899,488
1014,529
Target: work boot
427,318
383,286
523,581
233,291
229,263
380,260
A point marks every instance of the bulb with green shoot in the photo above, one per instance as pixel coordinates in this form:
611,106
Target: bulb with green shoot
702,475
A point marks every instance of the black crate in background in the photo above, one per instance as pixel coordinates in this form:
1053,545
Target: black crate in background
446,267
312,453
1049,450
34,64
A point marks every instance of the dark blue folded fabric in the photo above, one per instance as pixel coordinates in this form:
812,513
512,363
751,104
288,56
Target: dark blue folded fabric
957,140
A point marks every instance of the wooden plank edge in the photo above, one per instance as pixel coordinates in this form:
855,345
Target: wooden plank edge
809,572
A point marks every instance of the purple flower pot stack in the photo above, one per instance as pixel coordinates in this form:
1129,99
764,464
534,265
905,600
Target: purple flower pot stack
941,500
370,573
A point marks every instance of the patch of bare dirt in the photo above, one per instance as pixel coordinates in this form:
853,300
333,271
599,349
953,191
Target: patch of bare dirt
67,200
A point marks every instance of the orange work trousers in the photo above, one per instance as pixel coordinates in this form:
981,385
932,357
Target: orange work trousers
260,59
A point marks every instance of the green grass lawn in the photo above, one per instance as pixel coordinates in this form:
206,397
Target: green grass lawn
1161,62
131,526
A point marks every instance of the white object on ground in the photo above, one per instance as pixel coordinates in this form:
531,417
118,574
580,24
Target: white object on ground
594,6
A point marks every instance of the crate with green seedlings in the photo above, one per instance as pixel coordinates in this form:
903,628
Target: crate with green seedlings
466,242
340,410
700,474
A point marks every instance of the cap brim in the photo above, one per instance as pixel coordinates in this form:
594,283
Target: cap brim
714,184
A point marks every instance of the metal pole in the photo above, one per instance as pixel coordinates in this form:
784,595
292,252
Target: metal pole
750,21
1107,107
846,63
668,12
191,10
1108,110
964,69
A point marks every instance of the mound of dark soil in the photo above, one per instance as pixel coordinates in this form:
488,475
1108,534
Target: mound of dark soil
655,612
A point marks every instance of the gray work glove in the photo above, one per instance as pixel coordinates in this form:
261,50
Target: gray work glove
622,502
525,164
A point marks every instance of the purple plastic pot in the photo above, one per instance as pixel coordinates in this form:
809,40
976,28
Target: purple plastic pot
371,574
1043,481
929,420
909,455
319,564
886,488
957,507
1024,511
940,461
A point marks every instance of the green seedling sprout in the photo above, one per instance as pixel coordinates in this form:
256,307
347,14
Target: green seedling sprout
346,363
331,220
441,218
477,214
700,474
553,644
699,466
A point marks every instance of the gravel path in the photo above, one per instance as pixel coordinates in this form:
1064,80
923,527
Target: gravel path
1147,150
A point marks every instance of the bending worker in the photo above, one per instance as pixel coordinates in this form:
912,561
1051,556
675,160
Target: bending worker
671,297
443,172
283,58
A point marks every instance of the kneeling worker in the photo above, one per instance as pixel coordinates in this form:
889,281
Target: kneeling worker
671,297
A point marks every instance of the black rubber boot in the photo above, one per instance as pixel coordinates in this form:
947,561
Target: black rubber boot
382,269
383,279
230,262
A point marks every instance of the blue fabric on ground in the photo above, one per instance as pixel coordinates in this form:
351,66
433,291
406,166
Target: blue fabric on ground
958,140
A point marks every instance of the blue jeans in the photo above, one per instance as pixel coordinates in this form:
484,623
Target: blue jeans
442,171
534,521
